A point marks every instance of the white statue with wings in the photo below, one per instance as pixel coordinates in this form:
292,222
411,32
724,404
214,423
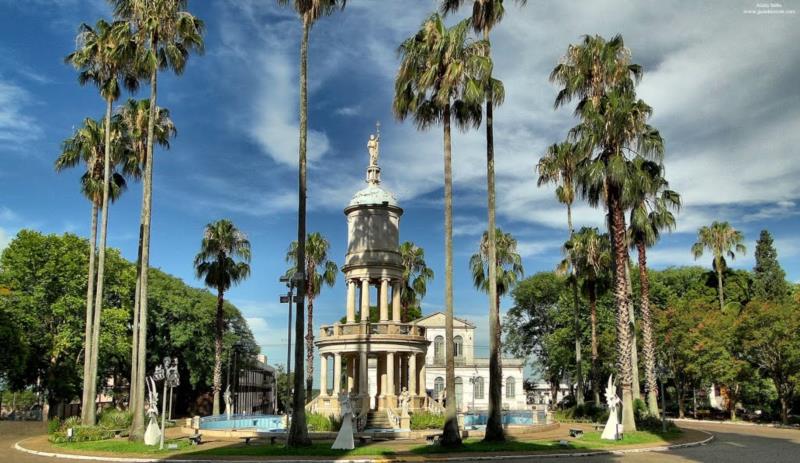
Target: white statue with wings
611,431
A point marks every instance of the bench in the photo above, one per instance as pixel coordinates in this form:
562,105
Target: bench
575,432
363,438
433,439
272,436
598,427
196,438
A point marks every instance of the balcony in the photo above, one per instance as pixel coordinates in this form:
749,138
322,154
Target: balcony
387,328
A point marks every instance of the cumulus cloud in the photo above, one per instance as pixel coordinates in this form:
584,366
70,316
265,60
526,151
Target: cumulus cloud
16,125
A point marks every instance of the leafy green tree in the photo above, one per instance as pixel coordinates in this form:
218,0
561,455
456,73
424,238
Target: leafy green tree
559,166
309,11
320,271
652,203
508,264
416,275
439,81
166,33
769,279
769,341
722,240
216,263
486,14
104,57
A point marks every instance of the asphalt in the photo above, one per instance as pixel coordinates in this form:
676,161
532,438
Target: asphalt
732,443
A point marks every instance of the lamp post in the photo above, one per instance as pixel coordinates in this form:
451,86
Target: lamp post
169,374
289,298
663,373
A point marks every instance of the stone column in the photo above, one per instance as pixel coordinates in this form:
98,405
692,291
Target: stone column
396,301
412,374
403,373
363,369
365,299
351,301
351,373
423,379
384,299
337,374
390,369
323,375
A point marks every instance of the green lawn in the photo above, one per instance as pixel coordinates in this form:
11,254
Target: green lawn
125,446
320,449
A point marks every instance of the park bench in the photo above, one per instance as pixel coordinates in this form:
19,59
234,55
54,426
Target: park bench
271,435
433,439
575,432
363,438
196,438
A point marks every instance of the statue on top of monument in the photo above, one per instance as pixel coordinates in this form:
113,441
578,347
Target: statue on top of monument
373,146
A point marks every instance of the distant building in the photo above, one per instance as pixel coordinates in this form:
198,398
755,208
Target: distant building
541,393
256,389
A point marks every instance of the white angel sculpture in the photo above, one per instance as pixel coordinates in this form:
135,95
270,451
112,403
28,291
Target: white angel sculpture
344,440
611,431
152,434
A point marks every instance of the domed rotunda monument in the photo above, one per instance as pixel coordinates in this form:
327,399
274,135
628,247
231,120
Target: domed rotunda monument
394,350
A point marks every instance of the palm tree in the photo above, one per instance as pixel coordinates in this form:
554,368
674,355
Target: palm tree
103,57
508,264
416,275
559,166
722,240
216,263
321,272
590,255
486,14
309,12
166,33
135,116
439,81
87,146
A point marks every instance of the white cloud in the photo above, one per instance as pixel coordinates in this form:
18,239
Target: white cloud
4,239
15,125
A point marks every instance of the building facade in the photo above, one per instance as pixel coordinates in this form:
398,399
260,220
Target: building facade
472,373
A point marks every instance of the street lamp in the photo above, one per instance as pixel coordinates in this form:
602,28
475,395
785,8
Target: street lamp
663,373
290,297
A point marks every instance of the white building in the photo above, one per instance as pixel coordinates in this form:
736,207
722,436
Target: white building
472,373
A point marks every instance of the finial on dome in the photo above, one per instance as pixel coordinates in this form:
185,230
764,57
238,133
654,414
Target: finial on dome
373,146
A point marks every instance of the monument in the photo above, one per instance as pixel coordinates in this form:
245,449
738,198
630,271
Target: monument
612,431
344,440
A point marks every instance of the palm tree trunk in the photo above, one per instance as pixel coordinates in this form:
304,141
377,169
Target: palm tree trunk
647,333
147,205
133,395
577,315
298,432
633,342
450,434
218,329
309,338
719,286
624,366
494,423
594,373
87,371
90,406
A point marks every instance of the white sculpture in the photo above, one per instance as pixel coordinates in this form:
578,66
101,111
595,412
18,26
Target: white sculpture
152,434
344,440
611,431
372,146
228,402
405,399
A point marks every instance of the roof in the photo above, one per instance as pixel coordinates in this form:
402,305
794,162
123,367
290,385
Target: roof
429,319
373,194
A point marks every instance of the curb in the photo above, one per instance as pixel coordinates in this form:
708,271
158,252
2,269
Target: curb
662,448
738,423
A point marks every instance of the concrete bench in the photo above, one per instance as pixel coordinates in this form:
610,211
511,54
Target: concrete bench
575,432
433,439
195,439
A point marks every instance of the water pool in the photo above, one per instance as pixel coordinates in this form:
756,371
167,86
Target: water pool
259,422
510,418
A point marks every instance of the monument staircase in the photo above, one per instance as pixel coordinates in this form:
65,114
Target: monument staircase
378,419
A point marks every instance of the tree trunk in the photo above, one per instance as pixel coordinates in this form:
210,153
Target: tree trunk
450,434
595,355
577,316
784,410
219,322
633,342
719,286
624,366
681,402
87,371
147,205
89,408
298,432
494,423
651,386
133,395
309,337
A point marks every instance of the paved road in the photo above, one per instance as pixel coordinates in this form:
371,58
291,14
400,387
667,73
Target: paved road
733,443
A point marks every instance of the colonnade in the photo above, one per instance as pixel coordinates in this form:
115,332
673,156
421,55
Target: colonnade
383,295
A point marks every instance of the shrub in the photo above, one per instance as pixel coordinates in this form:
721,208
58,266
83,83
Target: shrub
426,420
115,419
53,425
318,422
71,422
585,412
640,409
82,434
653,424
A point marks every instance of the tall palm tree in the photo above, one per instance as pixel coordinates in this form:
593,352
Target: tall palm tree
559,166
87,146
309,12
590,254
135,116
440,82
416,275
321,271
508,264
613,125
486,14
103,57
721,239
166,33
652,203
217,265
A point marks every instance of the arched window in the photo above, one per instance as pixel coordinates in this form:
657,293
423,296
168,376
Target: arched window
458,347
510,387
438,387
438,350
459,392
478,385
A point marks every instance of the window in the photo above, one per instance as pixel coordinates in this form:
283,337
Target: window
459,392
510,387
478,385
458,347
438,350
438,387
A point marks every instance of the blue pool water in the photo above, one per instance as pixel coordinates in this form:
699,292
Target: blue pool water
510,418
259,422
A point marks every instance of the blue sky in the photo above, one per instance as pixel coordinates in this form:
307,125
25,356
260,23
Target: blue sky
723,84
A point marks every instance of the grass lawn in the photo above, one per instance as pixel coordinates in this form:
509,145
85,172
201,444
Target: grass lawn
125,446
319,449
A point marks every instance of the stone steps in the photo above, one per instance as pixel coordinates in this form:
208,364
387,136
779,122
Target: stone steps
378,420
